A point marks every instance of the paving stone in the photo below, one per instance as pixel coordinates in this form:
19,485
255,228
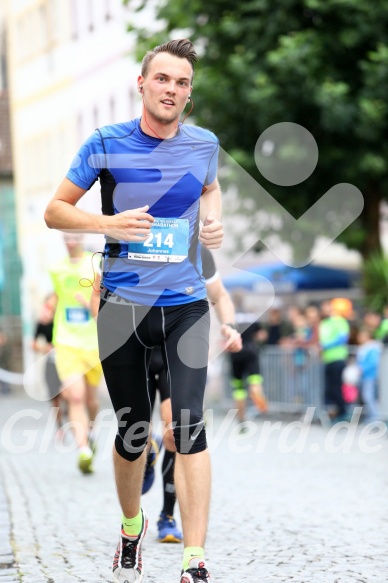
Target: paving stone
277,515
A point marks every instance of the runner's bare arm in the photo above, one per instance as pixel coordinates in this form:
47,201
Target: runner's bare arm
62,213
226,314
210,212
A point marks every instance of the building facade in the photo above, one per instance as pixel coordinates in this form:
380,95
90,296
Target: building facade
10,266
70,71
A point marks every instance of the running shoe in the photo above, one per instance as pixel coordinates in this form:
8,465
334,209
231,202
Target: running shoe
167,530
149,474
85,462
127,562
196,574
243,428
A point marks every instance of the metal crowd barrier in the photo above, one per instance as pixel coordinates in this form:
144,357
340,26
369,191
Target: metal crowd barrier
293,379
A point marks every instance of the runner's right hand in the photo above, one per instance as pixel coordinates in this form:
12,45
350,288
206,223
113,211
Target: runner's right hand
131,225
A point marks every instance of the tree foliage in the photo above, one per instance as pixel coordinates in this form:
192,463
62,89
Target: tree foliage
375,281
318,63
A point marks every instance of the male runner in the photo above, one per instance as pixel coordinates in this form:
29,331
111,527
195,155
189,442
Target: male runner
158,181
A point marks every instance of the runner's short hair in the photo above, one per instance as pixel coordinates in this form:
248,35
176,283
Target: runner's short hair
182,48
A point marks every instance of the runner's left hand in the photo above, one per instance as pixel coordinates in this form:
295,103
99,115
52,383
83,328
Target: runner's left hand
212,233
233,342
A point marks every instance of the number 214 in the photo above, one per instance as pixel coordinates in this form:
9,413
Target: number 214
168,241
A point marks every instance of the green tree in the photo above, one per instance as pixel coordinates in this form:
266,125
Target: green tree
375,281
318,63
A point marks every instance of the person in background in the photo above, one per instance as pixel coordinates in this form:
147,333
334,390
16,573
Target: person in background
333,340
372,322
351,381
276,328
313,319
300,340
293,315
75,340
44,330
5,358
245,368
168,531
368,361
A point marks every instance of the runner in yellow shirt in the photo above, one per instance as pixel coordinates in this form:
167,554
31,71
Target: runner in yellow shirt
75,339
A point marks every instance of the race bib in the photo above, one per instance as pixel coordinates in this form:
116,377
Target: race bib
168,242
77,315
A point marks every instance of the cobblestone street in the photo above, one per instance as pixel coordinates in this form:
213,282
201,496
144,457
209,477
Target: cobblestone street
288,505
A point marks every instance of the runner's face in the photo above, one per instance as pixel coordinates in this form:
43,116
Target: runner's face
73,242
166,87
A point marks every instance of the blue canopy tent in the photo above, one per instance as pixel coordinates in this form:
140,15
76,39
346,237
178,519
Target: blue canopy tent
287,279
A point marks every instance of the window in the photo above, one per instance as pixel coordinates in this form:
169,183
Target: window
35,31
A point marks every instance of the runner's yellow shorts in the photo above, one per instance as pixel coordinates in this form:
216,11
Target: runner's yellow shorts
72,362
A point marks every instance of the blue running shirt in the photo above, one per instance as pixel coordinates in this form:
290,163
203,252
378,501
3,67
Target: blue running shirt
136,169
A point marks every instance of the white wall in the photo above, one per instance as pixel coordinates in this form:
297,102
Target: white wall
71,70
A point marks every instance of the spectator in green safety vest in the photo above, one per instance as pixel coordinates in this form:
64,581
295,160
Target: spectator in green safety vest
333,339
